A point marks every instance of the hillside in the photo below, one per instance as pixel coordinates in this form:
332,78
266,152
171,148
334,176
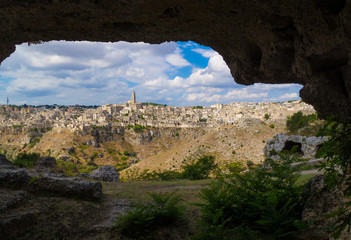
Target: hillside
227,143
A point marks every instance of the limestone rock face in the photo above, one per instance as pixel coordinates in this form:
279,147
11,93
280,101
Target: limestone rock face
105,173
306,42
4,163
22,179
14,178
67,187
319,201
308,146
10,198
46,162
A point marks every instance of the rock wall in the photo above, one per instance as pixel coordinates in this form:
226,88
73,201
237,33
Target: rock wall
144,136
303,41
308,146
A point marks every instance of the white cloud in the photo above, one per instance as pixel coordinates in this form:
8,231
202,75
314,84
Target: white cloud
205,52
177,60
243,94
289,96
100,73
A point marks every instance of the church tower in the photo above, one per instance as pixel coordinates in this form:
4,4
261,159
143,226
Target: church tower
133,100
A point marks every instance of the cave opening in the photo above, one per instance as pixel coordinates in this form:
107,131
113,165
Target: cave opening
96,73
293,146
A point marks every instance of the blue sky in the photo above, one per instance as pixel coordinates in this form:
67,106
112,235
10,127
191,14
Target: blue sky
172,73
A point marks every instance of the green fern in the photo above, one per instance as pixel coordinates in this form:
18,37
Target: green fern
164,209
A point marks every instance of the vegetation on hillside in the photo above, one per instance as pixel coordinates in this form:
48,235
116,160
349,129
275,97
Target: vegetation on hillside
27,160
262,203
194,169
154,104
298,121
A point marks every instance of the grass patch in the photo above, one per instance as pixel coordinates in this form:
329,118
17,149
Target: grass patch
139,191
303,179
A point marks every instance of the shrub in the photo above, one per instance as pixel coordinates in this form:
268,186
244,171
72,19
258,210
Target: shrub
123,158
298,121
250,163
236,167
199,169
111,151
271,125
72,151
140,221
83,147
33,142
26,159
266,116
261,203
166,175
72,169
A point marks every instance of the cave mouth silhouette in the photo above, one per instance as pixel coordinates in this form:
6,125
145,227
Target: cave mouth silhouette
296,147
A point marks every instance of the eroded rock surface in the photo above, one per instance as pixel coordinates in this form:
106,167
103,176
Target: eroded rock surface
67,187
4,163
319,201
105,173
60,186
307,146
305,42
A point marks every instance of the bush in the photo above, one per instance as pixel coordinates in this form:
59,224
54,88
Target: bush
298,121
140,221
123,158
199,169
166,175
72,151
27,160
250,163
261,203
72,169
235,167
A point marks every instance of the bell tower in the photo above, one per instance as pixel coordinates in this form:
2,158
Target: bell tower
133,100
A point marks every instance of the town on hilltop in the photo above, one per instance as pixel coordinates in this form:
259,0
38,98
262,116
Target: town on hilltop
148,114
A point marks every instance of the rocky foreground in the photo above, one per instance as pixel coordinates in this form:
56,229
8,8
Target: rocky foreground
40,204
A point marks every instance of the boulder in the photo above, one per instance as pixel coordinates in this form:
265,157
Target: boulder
4,163
66,187
46,162
65,158
10,198
105,173
11,226
20,178
14,178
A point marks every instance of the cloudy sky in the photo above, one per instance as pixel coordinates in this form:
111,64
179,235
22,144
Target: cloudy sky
90,73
